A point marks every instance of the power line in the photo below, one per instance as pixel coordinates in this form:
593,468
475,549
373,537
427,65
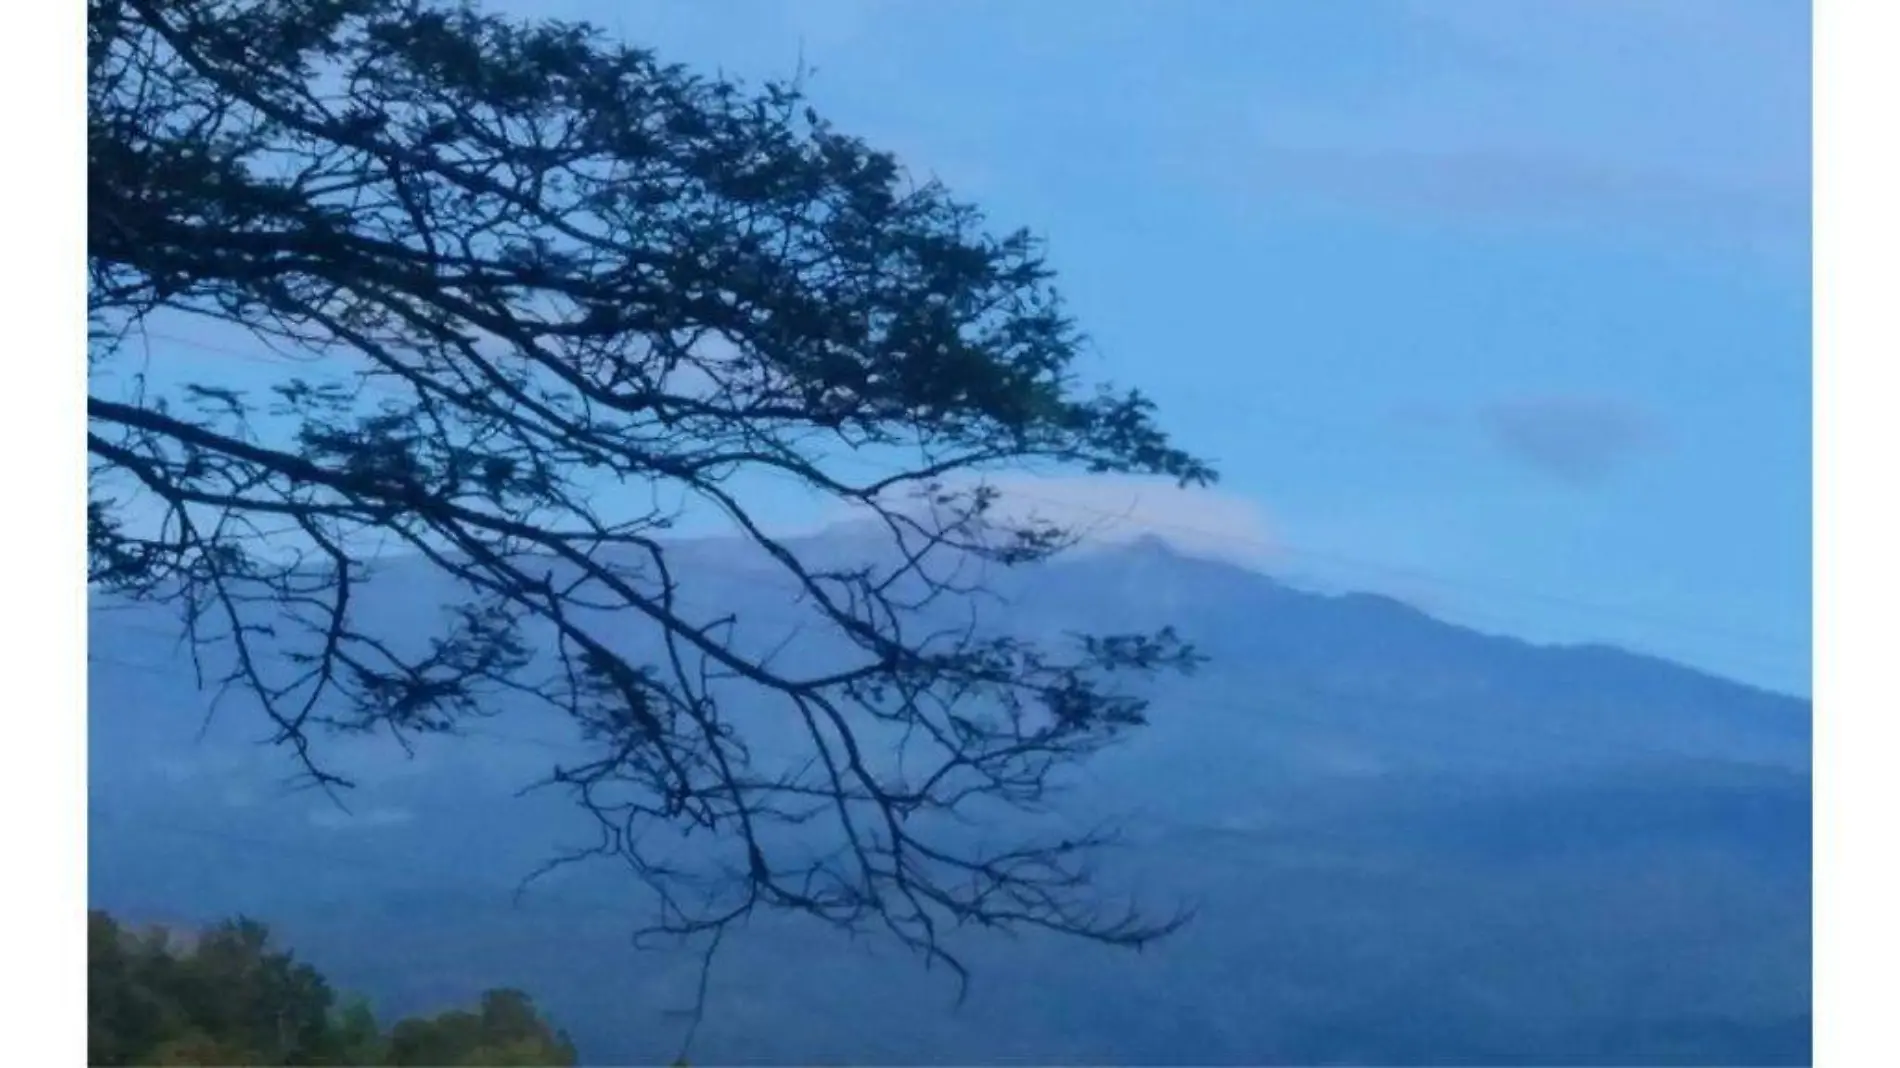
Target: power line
1267,549
1282,705
787,618
1491,588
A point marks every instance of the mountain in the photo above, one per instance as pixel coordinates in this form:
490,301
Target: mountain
1410,843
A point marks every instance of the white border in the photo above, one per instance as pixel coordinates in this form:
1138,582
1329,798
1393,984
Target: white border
42,648
1856,347
1858,289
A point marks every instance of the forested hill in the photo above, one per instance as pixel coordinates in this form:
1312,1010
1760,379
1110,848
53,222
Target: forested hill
227,996
1415,841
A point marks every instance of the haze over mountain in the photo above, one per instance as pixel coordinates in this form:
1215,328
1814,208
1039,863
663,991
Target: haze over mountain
1409,843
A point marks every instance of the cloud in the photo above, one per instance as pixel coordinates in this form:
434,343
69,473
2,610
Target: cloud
1687,120
1118,509
1121,509
1516,186
1576,440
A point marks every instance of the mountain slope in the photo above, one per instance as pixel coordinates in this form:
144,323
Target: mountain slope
1411,842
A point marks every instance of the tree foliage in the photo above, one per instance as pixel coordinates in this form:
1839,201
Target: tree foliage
524,281
225,997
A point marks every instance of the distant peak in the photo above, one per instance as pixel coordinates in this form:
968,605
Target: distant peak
1155,545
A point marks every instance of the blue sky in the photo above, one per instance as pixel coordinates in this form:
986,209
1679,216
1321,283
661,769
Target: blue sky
1499,306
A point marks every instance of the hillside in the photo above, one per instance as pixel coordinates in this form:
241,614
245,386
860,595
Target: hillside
1409,842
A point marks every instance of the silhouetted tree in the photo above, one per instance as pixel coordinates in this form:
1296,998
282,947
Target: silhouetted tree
504,1030
227,997
534,277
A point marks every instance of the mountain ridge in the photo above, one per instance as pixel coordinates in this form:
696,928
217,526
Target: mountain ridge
1415,842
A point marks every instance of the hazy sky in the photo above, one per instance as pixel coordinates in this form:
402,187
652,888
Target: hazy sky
1500,306
1511,294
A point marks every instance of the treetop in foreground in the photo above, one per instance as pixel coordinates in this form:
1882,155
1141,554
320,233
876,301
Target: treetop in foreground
536,296
226,996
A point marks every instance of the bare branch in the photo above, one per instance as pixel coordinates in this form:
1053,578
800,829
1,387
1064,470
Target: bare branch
530,278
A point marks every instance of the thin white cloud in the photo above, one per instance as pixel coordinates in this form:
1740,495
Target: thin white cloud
1116,510
1514,185
1688,119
